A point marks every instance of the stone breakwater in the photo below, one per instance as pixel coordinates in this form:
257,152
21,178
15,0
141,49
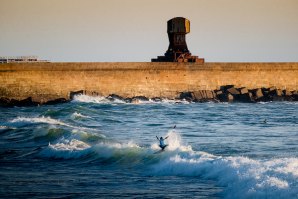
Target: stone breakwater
226,93
50,83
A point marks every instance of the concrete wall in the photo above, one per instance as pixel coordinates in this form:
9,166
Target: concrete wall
46,81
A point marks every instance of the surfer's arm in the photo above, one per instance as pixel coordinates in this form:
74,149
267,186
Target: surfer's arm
166,137
157,138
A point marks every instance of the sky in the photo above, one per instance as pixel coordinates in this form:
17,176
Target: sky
136,31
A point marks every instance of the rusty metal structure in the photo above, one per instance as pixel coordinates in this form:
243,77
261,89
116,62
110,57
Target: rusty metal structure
177,29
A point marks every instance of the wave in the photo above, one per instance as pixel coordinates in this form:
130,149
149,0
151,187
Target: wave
77,115
6,127
104,100
93,99
66,149
240,177
45,120
74,148
42,119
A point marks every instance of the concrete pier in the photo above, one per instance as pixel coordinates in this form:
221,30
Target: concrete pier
48,81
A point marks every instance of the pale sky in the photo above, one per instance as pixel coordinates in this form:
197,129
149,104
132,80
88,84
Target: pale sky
135,30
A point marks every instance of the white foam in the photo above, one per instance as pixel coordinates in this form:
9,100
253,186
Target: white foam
76,115
6,127
110,149
46,120
79,134
91,99
174,142
42,119
174,101
104,100
66,149
241,177
73,148
70,145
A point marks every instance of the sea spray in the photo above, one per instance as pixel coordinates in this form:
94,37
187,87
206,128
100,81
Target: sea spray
103,100
242,177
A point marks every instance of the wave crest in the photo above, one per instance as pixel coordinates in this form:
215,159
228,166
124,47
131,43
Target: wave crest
241,176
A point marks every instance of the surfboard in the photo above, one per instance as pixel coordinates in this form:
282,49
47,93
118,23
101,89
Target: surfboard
162,149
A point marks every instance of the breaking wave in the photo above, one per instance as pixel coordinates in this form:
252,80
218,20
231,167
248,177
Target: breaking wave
241,177
104,100
45,120
77,115
42,119
91,99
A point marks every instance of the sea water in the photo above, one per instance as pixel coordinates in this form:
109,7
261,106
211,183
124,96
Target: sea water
93,148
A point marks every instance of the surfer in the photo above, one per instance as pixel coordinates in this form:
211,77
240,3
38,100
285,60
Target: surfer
162,144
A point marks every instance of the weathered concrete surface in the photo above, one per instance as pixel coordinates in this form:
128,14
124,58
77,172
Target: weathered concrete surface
49,81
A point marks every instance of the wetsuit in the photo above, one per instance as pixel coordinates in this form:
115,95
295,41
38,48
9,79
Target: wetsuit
162,144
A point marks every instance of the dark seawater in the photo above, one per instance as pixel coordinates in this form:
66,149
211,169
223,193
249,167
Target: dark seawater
91,148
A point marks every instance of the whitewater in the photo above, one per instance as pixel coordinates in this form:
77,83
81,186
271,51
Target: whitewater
93,147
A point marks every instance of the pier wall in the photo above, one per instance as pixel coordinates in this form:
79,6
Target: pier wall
47,81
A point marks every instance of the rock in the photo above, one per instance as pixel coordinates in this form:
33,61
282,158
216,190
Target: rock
258,94
276,92
156,99
226,87
91,93
295,95
114,97
266,95
14,102
128,100
233,91
141,98
287,93
188,96
138,99
218,92
198,95
247,98
230,98
210,94
225,97
204,96
276,95
56,101
278,98
271,88
5,102
27,102
243,90
72,94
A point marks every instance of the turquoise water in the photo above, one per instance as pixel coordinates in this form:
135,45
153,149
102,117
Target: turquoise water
95,148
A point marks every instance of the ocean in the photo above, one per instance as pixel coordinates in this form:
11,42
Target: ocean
94,148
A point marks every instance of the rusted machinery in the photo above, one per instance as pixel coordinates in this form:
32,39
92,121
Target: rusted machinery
178,27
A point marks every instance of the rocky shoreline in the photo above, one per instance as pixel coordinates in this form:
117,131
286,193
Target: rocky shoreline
227,93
